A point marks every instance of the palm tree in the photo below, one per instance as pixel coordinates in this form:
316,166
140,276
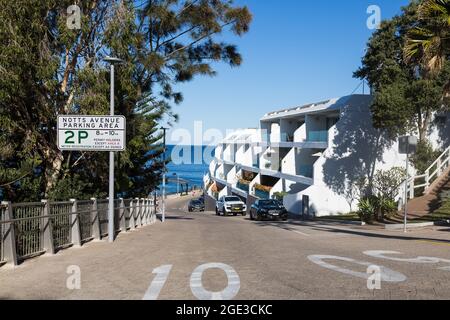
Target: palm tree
429,42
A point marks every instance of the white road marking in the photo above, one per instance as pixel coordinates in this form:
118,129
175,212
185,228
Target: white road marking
232,289
303,234
387,274
158,283
380,254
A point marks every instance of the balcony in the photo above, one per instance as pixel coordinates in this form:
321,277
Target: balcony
306,171
318,136
262,194
243,187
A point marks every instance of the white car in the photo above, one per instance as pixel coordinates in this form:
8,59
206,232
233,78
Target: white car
230,205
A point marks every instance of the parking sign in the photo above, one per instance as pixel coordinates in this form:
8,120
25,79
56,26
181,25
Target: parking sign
91,133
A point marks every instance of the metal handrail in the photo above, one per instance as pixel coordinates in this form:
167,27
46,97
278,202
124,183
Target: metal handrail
439,159
440,163
62,214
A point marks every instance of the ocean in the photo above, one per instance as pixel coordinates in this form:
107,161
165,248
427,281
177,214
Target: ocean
188,163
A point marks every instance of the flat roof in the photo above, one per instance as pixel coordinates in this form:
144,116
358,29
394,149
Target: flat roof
326,105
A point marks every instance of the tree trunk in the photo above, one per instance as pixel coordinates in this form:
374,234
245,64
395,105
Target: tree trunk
52,171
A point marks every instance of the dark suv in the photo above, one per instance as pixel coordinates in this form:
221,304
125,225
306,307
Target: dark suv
268,209
196,205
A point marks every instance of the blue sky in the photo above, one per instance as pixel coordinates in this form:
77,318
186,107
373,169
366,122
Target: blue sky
296,52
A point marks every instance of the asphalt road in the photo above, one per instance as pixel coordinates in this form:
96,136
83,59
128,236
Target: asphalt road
241,259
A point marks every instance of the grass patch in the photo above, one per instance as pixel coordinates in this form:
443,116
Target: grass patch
353,217
443,213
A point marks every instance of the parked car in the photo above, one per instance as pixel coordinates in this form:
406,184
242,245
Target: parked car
268,210
230,205
196,205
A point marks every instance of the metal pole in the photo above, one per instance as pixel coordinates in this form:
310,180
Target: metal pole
111,170
163,218
406,195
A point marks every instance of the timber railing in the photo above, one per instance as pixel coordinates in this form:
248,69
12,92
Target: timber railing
31,229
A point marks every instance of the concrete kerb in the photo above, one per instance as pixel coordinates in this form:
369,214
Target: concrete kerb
410,226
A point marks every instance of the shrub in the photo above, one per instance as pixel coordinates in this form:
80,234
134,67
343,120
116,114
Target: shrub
280,195
386,184
373,207
387,207
366,210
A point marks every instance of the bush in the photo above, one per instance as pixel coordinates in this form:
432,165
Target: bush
386,184
280,195
373,207
366,210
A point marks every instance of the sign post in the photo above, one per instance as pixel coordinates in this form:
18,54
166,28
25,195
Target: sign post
95,133
407,145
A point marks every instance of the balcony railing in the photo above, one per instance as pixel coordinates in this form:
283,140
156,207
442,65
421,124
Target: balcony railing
243,187
262,194
318,136
307,171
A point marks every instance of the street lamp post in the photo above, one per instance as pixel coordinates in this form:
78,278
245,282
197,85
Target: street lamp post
178,182
112,61
163,217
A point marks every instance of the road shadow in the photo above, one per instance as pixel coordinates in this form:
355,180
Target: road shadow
377,235
371,233
179,218
159,217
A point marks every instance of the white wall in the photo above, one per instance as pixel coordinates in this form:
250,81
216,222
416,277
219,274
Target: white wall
278,187
288,163
275,134
232,176
300,134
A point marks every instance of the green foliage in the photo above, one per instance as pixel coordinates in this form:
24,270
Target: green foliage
73,188
405,95
386,184
47,70
428,42
376,208
379,199
387,207
424,157
366,210
280,195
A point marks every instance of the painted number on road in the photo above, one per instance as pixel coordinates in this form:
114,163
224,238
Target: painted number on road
380,254
387,274
162,274
232,289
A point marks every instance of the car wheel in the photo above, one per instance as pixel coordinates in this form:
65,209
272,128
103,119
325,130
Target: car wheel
217,211
251,215
244,214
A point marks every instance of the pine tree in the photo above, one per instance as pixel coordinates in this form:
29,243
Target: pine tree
47,69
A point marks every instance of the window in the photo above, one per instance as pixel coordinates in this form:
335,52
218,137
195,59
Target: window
232,199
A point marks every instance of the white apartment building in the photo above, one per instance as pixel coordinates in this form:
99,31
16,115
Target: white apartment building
317,150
